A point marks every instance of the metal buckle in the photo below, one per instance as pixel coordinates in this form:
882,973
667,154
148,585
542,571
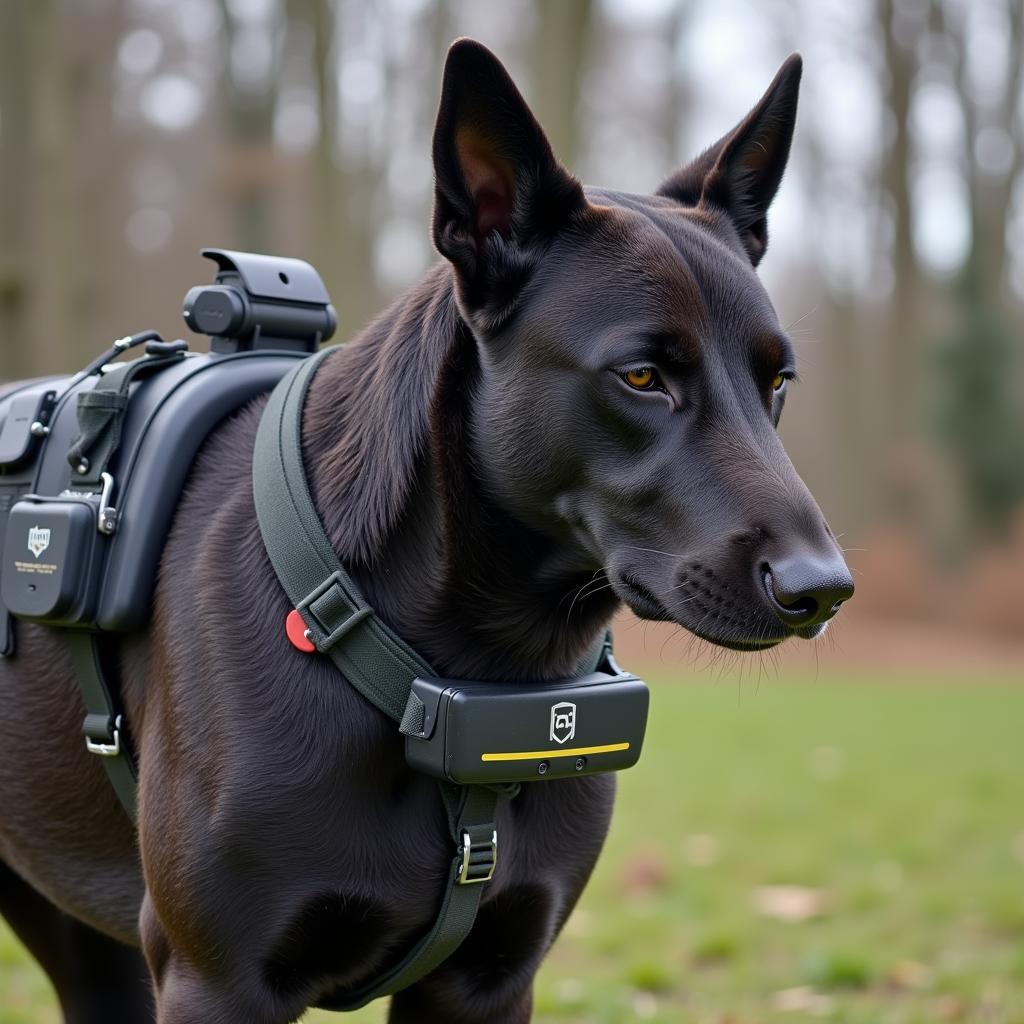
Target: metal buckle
106,517
106,749
478,859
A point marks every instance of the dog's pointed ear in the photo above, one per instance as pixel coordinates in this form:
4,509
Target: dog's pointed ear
499,191
740,173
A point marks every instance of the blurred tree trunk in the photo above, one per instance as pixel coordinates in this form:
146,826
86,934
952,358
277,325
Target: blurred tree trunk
326,207
842,324
343,193
560,47
40,268
903,341
980,413
53,229
15,165
675,111
252,168
989,190
101,196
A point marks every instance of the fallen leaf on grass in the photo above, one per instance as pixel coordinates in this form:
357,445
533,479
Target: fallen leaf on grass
909,974
950,1008
645,872
790,903
645,1005
802,999
700,851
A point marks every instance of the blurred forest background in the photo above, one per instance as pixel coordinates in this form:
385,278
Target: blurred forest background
133,132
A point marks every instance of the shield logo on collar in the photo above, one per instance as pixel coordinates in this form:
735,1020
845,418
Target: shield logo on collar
563,721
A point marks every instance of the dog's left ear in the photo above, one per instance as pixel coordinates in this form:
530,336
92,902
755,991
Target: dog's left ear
500,194
740,173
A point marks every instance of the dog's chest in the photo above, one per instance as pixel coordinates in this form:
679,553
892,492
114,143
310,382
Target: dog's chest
549,841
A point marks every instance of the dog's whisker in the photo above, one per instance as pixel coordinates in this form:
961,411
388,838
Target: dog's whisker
579,591
800,319
583,594
655,551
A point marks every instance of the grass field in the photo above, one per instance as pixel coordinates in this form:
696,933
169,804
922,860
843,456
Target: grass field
848,850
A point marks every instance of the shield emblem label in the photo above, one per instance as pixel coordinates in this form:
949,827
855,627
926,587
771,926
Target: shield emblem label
38,540
563,721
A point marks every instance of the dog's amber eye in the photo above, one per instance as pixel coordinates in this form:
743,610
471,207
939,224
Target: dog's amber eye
643,379
777,381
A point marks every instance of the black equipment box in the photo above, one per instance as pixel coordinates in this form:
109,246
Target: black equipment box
47,558
74,556
493,733
169,417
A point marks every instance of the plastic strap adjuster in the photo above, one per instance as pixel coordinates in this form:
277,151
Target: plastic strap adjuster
478,859
322,608
102,735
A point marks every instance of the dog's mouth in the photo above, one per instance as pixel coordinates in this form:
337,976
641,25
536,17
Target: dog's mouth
642,601
712,617
726,605
745,646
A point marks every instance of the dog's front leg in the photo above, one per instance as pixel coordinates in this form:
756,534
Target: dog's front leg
186,997
489,978
189,993
460,1001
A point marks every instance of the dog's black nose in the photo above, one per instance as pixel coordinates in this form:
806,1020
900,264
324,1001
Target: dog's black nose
806,591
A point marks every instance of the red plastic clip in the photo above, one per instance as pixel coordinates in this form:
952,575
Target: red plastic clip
296,630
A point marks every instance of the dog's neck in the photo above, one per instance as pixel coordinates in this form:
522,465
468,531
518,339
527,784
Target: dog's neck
389,458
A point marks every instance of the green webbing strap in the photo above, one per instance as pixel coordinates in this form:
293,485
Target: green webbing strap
104,727
377,662
101,413
471,813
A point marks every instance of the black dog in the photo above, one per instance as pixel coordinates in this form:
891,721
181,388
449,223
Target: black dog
585,392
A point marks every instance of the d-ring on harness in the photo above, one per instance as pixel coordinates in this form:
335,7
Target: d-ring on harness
383,668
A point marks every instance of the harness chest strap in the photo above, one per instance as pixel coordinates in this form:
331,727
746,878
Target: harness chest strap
374,659
377,662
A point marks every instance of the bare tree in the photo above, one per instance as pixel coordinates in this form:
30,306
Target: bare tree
560,46
39,255
249,107
15,167
980,410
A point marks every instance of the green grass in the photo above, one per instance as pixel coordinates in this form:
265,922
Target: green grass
897,809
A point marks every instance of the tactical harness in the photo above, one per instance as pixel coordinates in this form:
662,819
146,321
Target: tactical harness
474,738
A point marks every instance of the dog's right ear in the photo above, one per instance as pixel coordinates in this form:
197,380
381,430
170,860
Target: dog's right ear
740,173
500,194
